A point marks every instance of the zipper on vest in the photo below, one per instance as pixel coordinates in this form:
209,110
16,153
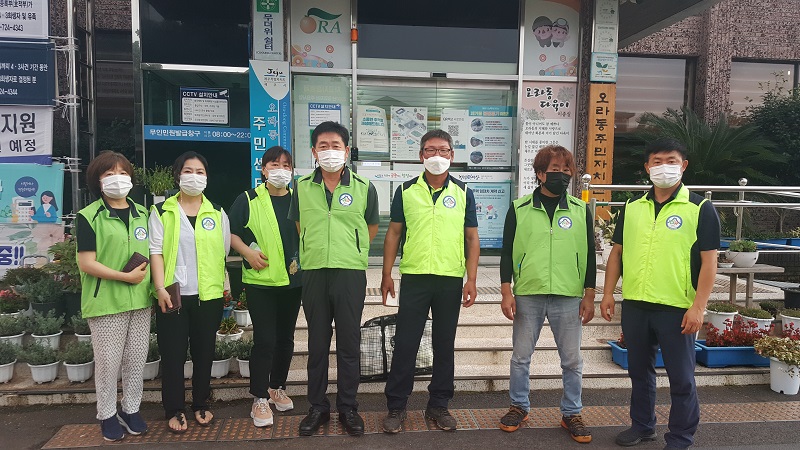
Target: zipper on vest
550,278
578,265
303,240
97,288
520,263
358,242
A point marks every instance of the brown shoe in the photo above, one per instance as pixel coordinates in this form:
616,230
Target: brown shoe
577,429
513,419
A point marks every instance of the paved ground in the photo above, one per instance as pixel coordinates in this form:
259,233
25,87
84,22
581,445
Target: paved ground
33,427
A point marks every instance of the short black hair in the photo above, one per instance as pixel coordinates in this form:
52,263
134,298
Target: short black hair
275,153
177,166
330,127
435,134
663,145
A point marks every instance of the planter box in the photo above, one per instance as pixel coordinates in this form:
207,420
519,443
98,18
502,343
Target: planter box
188,370
51,340
244,367
762,324
84,337
44,373
789,322
150,371
78,373
718,319
620,355
7,372
72,304
220,368
729,356
16,339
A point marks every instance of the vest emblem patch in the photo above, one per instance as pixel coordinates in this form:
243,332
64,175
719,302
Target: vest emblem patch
208,223
345,199
674,222
565,222
140,233
449,202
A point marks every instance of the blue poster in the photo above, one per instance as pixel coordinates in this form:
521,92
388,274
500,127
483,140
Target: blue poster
27,74
492,201
31,193
269,111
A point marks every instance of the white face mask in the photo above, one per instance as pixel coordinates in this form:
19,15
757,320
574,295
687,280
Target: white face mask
192,184
437,165
116,186
331,160
279,177
666,175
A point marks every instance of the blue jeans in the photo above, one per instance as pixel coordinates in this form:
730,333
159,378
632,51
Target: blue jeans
563,314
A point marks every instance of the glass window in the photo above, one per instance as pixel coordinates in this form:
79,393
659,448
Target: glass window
648,85
750,80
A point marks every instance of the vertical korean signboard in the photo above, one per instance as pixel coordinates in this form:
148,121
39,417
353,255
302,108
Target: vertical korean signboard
270,118
601,138
268,30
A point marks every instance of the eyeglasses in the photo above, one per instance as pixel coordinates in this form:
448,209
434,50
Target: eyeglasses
441,151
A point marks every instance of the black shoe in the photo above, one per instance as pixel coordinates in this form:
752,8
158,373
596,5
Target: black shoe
311,423
353,423
393,422
631,437
442,418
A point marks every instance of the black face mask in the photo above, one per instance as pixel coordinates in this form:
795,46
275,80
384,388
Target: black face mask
557,182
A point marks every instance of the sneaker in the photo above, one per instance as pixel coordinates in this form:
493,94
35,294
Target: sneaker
631,437
577,429
279,398
111,429
393,422
261,413
442,418
513,419
132,422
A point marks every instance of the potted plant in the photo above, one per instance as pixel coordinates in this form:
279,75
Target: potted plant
43,362
772,307
80,327
731,346
12,329
717,313
223,351
229,330
20,276
790,318
64,269
761,318
784,363
8,358
604,230
227,304
78,358
11,303
240,311
743,253
243,349
157,181
723,262
46,329
45,295
188,366
153,360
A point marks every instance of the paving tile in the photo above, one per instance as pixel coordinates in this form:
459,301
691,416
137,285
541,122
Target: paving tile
373,422
544,418
601,416
71,436
415,421
243,430
487,419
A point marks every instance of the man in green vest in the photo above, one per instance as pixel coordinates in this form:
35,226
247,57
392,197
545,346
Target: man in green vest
665,249
336,212
436,214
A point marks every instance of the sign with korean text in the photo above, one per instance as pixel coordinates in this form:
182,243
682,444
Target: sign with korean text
270,117
268,30
373,134
27,73
205,106
24,19
492,201
408,125
482,135
26,134
552,37
548,118
603,67
599,155
18,240
320,31
201,134
606,26
32,193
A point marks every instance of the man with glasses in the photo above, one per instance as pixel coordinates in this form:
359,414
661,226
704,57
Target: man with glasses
435,213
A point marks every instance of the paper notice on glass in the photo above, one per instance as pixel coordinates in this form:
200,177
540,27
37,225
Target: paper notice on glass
373,135
409,124
324,112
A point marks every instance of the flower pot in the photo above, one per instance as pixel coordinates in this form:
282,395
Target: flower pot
78,373
718,319
742,259
13,315
244,367
783,378
7,372
188,370
72,304
230,337
16,339
791,298
790,322
151,370
84,337
44,373
761,324
729,356
51,340
242,317
220,368
227,311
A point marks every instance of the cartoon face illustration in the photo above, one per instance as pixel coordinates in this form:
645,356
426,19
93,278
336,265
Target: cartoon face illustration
542,30
559,32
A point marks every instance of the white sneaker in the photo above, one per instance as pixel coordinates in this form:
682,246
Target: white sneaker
261,413
279,398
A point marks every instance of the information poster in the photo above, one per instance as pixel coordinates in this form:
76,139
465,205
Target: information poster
482,135
28,19
409,124
27,73
603,67
269,111
552,35
315,99
205,106
548,115
373,135
26,239
26,134
267,30
320,32
492,201
32,193
606,26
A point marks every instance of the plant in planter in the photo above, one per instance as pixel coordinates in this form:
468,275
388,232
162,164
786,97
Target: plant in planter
784,367
761,318
242,352
64,269
772,307
223,351
43,362
604,232
11,303
46,328
45,295
241,312
80,327
12,329
790,319
719,314
153,359
78,358
8,357
732,346
229,330
19,276
743,253
157,181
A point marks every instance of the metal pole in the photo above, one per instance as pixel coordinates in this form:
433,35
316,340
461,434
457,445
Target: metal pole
739,212
72,101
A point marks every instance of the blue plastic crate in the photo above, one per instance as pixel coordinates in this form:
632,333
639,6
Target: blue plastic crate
729,356
620,355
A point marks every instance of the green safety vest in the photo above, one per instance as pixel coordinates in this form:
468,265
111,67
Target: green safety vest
656,251
115,246
549,257
264,225
334,237
209,241
434,231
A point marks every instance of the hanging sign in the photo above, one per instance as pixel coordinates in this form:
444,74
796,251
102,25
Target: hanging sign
26,134
269,111
552,37
27,73
29,19
267,30
205,106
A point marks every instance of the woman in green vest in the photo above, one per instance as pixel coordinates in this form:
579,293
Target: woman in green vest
117,305
268,241
190,238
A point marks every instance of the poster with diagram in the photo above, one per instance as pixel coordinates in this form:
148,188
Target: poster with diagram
409,124
492,201
482,135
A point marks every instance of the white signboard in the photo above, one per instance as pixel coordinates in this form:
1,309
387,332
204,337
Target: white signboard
604,67
482,135
372,130
324,112
26,134
29,19
204,106
267,30
409,124
320,33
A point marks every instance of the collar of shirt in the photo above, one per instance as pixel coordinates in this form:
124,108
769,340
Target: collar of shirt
652,196
344,181
537,199
431,189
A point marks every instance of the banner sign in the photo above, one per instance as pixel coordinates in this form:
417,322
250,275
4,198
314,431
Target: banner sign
270,117
31,193
29,19
27,73
267,30
30,239
26,134
320,32
552,35
481,135
205,106
200,134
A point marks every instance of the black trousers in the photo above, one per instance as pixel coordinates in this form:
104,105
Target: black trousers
420,294
194,326
644,331
334,295
274,315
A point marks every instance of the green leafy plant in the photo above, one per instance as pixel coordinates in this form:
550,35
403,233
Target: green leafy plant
228,325
244,348
39,355
45,324
606,227
8,353
783,349
791,312
742,245
80,325
23,275
11,302
722,307
224,350
241,304
12,326
77,353
755,313
152,349
771,307
64,266
46,290
157,180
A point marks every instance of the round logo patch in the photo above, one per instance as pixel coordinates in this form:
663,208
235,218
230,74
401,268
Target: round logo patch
208,223
449,202
565,222
674,222
140,233
345,199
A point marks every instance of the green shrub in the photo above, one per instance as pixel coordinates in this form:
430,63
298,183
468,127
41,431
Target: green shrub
771,306
23,275
228,325
12,326
77,353
224,350
45,290
742,246
152,349
8,353
64,266
80,325
10,302
721,307
243,349
791,312
45,325
755,313
39,355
